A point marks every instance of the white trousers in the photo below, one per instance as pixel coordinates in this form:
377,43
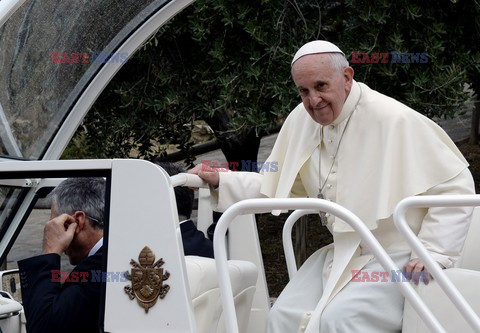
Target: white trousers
374,307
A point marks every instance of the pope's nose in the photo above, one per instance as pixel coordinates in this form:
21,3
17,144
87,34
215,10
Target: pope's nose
315,100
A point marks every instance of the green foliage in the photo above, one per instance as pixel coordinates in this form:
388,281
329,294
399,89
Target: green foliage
227,62
447,31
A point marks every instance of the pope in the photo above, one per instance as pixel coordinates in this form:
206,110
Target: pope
365,151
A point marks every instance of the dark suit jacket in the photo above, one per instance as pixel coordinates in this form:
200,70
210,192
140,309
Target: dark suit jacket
54,307
194,241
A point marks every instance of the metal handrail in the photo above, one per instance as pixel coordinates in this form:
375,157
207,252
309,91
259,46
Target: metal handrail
287,239
255,206
401,223
188,179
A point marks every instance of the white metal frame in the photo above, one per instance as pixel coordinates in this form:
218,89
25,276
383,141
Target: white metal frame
7,8
265,205
187,179
399,217
287,239
7,136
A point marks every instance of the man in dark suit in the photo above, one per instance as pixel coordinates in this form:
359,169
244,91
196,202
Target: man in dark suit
194,241
76,229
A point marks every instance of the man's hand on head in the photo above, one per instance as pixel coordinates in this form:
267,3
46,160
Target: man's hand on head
208,174
58,234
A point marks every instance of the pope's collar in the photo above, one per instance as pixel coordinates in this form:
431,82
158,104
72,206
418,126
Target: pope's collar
349,105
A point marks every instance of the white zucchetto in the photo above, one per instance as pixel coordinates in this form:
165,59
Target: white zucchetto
317,46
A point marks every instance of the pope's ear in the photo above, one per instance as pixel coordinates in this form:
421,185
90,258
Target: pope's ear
348,76
348,73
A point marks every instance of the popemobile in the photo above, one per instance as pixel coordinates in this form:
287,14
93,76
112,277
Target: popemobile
42,102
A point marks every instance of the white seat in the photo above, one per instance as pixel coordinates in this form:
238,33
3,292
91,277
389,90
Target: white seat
465,276
469,258
243,247
466,281
243,244
205,293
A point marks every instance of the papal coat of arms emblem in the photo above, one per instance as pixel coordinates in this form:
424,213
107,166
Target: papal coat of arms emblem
147,278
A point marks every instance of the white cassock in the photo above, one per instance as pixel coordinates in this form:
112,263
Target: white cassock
387,152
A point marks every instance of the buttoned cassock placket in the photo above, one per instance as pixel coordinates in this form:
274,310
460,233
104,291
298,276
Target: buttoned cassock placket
325,154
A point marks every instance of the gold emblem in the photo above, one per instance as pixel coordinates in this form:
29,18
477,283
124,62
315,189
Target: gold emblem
147,279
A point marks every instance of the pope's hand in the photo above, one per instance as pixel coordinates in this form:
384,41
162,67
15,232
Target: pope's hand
416,270
208,174
58,234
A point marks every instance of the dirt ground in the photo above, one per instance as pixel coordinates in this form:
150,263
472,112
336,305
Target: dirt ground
270,230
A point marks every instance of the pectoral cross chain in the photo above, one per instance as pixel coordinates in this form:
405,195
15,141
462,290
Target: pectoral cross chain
323,215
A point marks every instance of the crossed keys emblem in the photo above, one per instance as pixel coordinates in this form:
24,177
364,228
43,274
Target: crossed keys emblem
147,278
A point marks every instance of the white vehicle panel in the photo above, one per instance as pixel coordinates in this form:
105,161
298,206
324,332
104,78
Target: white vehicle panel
143,213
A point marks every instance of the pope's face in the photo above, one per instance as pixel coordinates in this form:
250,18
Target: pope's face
323,89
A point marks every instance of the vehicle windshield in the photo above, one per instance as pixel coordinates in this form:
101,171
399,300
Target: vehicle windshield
10,198
7,198
49,51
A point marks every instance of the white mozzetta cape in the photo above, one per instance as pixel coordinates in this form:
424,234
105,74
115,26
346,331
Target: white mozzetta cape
389,152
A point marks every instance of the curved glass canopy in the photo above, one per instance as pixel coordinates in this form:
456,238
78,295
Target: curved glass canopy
49,51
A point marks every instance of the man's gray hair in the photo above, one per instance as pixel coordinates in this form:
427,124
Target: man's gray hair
338,61
81,194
